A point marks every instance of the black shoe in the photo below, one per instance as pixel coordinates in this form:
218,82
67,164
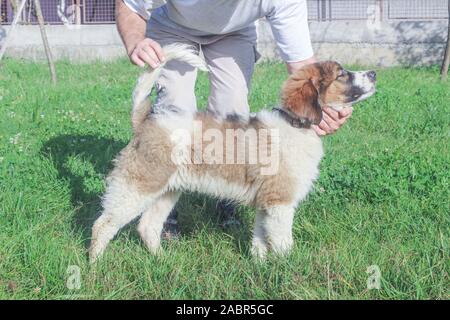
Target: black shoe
227,214
170,228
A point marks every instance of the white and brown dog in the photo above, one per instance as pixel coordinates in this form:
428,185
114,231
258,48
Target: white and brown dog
172,152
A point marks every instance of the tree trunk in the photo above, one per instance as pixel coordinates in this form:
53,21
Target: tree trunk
48,53
446,62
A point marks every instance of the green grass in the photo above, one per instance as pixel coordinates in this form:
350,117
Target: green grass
382,197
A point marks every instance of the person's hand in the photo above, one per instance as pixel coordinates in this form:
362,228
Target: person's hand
332,120
146,51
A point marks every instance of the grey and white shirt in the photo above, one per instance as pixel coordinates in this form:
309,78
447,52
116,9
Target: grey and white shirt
288,19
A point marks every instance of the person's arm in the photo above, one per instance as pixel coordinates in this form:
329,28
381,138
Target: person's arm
131,27
289,23
294,66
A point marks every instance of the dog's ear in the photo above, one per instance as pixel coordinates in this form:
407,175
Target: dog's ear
301,97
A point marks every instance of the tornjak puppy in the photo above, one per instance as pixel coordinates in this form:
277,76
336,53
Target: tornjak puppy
268,160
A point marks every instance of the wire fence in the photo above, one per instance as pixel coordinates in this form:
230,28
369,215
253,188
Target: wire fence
61,11
102,11
98,11
418,9
329,10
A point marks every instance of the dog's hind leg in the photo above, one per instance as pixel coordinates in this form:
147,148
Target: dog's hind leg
152,220
121,204
259,240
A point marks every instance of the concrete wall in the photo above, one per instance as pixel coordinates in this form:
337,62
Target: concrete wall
356,42
78,43
352,42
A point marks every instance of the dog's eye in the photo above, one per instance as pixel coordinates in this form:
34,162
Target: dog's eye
341,74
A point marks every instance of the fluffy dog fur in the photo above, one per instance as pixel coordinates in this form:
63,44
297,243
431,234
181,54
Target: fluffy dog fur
147,182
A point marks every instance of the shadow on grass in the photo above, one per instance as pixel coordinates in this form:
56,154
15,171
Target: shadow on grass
96,151
94,157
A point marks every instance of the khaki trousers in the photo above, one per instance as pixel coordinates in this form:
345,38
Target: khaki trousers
230,59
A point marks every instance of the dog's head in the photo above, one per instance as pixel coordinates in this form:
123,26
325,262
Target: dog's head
325,84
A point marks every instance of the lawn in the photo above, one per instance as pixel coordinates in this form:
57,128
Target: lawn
382,198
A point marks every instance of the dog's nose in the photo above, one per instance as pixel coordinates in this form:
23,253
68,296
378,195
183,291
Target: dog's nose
372,75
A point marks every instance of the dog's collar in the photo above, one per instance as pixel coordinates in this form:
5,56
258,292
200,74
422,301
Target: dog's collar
296,122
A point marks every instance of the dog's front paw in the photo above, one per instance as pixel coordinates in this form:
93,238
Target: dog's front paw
282,247
151,238
259,249
93,253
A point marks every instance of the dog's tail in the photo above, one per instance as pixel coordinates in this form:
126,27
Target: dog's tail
141,103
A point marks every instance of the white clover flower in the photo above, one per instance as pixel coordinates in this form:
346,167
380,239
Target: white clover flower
15,139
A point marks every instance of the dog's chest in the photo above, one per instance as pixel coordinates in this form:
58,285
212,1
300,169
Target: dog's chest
301,152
